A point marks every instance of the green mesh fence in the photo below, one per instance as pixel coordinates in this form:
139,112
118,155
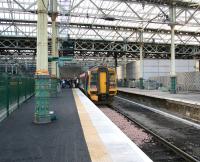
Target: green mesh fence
2,93
14,90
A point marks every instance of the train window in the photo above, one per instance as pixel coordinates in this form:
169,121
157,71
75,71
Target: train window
112,80
94,79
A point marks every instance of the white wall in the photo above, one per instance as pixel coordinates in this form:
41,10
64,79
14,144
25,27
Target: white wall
156,67
120,72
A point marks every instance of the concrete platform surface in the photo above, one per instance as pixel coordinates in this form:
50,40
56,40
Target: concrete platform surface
188,98
106,142
82,133
60,141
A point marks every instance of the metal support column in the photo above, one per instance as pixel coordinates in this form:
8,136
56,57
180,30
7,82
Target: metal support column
125,75
57,63
18,91
116,63
42,79
141,60
173,68
57,70
115,57
54,79
54,50
16,70
7,94
12,71
6,68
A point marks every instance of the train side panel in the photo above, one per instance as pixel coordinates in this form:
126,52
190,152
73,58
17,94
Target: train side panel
92,84
83,85
112,82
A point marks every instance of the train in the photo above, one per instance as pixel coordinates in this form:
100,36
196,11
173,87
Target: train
99,84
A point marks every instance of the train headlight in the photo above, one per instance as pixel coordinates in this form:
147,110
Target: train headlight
112,92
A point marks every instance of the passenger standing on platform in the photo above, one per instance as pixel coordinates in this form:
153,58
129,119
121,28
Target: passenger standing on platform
63,85
77,83
74,83
70,83
67,83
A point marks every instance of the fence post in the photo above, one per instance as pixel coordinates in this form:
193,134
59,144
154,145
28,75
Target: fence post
25,87
18,92
28,86
7,94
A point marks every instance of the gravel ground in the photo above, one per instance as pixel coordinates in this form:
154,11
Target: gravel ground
154,149
132,131
183,136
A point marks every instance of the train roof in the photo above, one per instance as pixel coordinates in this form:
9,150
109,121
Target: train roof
95,68
101,66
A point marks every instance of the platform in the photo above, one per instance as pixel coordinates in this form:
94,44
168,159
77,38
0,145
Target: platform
186,104
190,98
82,133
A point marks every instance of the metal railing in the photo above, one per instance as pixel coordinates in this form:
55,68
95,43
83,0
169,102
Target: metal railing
186,82
147,84
14,89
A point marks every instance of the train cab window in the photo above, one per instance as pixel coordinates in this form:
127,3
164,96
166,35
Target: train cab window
94,79
112,80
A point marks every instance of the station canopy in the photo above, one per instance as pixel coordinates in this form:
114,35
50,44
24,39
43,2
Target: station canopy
107,20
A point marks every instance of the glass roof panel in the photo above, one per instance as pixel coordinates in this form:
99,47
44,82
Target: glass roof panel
103,19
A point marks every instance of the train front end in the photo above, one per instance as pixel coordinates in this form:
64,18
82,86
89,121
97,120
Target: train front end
102,84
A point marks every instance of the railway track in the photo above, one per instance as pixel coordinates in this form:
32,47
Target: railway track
158,148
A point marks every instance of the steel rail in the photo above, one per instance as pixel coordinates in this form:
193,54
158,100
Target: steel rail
172,147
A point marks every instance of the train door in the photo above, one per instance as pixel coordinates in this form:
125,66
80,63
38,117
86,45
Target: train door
103,82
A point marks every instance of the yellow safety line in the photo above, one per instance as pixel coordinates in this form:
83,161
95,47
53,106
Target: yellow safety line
97,149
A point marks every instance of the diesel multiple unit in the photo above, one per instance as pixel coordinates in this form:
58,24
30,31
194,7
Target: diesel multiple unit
99,83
